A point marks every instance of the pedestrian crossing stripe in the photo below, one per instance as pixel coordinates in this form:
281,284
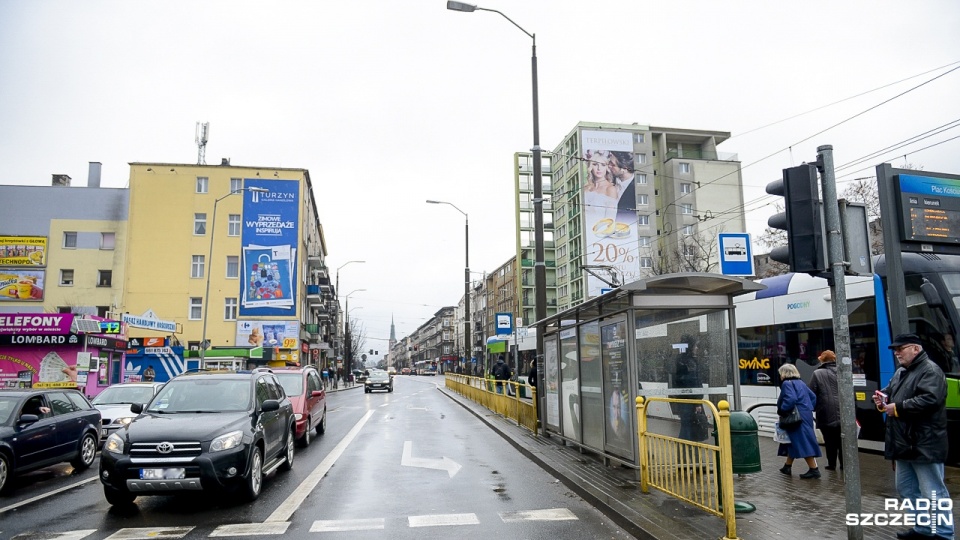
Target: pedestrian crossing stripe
276,528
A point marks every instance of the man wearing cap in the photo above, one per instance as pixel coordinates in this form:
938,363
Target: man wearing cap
824,386
916,436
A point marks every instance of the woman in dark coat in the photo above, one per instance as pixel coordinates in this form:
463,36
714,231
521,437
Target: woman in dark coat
803,439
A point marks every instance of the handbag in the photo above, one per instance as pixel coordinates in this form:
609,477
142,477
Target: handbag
780,435
792,420
701,426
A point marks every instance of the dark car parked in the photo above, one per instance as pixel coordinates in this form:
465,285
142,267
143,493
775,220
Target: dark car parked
305,389
43,427
378,380
204,431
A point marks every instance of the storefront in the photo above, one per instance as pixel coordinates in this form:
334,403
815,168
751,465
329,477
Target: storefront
632,341
153,352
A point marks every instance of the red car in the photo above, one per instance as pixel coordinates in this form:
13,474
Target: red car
305,389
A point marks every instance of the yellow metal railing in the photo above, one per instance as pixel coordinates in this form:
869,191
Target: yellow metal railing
698,473
484,392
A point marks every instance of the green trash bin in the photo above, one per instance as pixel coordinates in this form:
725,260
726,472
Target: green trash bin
744,443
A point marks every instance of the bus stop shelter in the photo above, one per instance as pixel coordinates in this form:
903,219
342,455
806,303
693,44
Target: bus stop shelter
670,335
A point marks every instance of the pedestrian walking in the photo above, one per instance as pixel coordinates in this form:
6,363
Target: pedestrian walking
824,386
325,375
803,439
532,375
916,437
501,372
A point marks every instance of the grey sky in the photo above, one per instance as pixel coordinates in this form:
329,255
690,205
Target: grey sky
389,103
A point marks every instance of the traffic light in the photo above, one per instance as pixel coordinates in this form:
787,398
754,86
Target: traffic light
806,247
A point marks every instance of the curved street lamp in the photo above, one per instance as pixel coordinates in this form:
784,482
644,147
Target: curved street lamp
206,294
468,344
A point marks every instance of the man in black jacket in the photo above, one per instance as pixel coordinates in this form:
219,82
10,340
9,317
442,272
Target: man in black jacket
916,437
824,386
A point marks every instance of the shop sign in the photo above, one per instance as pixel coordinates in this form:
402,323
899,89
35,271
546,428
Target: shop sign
149,321
18,339
36,323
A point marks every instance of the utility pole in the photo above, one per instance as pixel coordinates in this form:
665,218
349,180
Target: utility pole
841,337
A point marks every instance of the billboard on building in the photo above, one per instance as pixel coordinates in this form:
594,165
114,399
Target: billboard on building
269,238
18,285
23,250
273,334
609,206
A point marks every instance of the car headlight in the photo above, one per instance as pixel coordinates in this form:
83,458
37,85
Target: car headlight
226,442
123,421
114,444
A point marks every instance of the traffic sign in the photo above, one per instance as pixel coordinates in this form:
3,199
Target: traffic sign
736,254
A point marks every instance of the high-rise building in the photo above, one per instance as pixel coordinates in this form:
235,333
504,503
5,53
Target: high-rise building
627,202
526,234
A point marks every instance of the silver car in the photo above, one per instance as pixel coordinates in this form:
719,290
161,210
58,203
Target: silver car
114,404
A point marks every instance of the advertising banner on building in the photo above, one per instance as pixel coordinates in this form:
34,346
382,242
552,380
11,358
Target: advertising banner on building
609,206
17,285
272,334
269,238
35,323
23,250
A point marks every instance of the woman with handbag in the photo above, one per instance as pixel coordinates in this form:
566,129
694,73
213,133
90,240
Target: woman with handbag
795,407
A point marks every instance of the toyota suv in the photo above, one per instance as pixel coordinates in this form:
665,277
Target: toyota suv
203,431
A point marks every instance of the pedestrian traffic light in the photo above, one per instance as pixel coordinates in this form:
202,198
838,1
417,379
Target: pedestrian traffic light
802,219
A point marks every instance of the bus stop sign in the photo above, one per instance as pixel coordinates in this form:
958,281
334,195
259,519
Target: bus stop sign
736,254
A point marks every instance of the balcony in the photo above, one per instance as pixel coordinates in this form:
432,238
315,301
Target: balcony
312,329
315,262
313,294
325,286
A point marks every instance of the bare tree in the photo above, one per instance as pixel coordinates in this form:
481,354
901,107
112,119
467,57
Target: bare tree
692,253
358,338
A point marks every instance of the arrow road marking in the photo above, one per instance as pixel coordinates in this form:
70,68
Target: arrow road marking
443,464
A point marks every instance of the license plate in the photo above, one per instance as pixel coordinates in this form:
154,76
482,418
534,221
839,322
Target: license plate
163,474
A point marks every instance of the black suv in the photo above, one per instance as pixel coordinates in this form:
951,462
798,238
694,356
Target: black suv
42,427
204,431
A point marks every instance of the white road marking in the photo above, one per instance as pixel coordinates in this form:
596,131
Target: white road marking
440,520
45,495
150,533
334,525
251,529
442,464
550,514
290,505
69,535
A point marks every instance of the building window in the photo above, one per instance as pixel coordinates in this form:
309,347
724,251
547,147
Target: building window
236,184
202,184
641,178
103,312
641,158
685,168
200,223
233,266
66,278
642,199
233,225
646,262
643,220
686,208
104,278
107,240
644,241
688,230
229,309
638,137
686,188
689,251
196,308
196,266
70,240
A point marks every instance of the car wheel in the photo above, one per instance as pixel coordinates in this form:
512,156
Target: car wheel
118,498
390,389
322,426
255,480
305,440
366,390
288,459
5,472
88,451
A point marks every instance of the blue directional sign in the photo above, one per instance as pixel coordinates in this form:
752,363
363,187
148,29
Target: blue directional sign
736,254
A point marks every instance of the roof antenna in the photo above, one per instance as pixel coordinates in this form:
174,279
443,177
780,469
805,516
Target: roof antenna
202,136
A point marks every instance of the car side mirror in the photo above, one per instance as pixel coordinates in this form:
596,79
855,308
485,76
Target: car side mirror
29,418
270,405
136,408
316,393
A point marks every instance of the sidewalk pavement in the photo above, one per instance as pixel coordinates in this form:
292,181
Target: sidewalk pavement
788,507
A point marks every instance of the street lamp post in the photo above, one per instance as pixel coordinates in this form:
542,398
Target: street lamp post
336,291
209,264
539,268
468,345
346,332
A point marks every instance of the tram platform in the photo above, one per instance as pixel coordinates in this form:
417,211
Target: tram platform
787,507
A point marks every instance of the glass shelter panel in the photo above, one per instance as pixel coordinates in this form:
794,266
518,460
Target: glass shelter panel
619,424
591,391
551,378
569,384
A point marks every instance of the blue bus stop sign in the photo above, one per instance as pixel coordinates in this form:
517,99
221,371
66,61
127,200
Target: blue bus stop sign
736,254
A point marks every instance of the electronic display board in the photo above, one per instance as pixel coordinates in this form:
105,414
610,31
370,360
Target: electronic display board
930,209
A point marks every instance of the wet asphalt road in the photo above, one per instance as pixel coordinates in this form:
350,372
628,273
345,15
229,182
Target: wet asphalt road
408,464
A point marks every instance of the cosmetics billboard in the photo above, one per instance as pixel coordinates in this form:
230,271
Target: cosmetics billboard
269,237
